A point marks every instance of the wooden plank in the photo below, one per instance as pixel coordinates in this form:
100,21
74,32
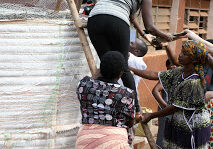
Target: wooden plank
154,10
193,13
195,3
165,3
193,25
164,11
163,26
202,31
188,3
205,4
82,36
155,2
154,19
196,32
58,5
185,26
204,14
163,18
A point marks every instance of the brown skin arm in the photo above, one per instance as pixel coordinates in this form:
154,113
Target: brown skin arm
164,112
148,21
130,123
137,25
147,74
172,55
191,35
156,92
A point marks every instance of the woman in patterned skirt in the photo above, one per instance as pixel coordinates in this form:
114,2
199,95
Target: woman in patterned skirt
189,124
107,108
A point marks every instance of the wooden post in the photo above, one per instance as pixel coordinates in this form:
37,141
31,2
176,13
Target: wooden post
95,1
176,22
148,134
58,5
82,36
78,4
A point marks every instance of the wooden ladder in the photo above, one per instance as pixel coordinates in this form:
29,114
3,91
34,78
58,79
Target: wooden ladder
90,58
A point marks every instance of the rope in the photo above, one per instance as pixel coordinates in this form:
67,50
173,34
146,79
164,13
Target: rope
192,136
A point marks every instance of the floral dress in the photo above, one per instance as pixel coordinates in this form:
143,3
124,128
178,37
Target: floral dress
210,107
105,103
189,126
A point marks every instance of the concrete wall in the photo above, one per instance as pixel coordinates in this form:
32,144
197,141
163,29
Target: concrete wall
210,22
156,62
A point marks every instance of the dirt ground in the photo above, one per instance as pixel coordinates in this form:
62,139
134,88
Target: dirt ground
154,130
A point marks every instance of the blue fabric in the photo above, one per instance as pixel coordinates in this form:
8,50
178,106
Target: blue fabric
161,123
209,79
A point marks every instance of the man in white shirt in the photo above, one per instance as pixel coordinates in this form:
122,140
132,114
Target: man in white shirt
136,52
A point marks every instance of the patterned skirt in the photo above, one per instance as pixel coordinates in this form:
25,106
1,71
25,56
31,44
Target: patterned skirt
210,108
93,136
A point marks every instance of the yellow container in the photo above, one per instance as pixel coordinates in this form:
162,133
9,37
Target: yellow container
139,130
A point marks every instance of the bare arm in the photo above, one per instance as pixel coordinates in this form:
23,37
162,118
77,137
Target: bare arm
193,36
156,92
172,55
148,21
137,25
140,30
147,74
164,112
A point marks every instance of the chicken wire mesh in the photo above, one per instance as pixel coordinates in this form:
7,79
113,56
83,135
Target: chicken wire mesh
41,62
37,9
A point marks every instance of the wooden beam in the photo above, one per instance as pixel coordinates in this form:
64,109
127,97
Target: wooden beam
95,1
78,4
148,134
82,36
58,6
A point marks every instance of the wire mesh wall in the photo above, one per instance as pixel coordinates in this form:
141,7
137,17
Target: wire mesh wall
41,62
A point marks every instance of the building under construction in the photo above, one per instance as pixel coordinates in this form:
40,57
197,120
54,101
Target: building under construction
42,60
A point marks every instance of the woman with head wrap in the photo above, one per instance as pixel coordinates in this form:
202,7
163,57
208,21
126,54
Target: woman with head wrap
189,124
208,43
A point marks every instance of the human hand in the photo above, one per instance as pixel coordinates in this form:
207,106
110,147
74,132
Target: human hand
189,34
138,117
169,37
160,41
146,117
149,37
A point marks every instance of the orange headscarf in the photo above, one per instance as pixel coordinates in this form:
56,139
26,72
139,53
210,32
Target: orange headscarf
198,52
